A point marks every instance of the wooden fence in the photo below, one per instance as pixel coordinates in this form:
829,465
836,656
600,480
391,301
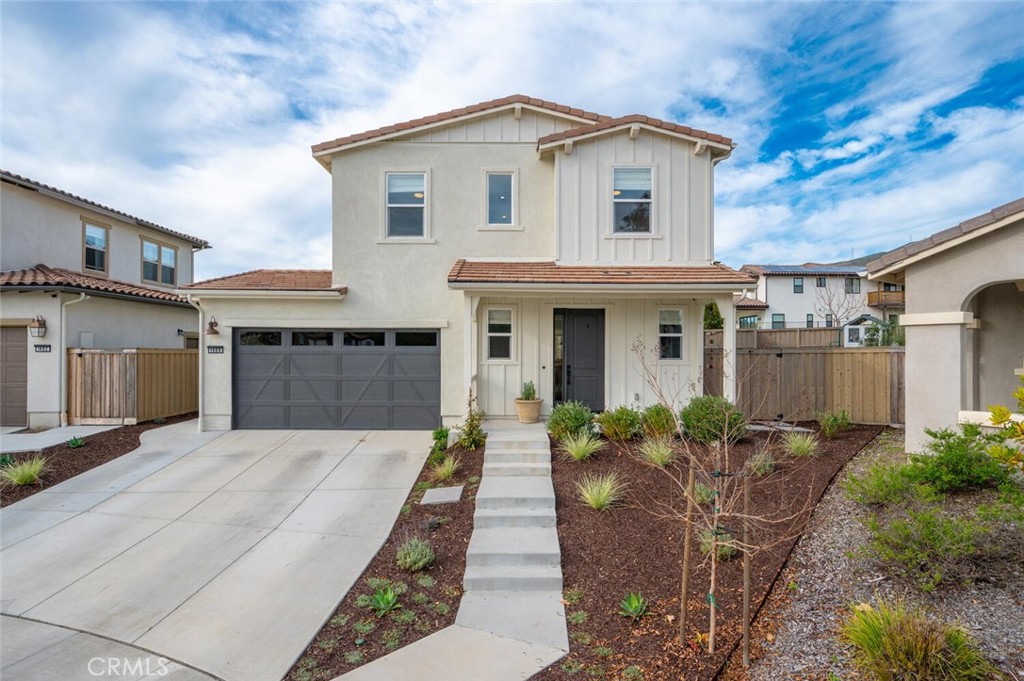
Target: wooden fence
779,338
797,383
131,386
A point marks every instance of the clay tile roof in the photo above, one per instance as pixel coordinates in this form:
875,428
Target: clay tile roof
548,272
456,113
613,123
271,280
941,237
44,277
34,185
744,303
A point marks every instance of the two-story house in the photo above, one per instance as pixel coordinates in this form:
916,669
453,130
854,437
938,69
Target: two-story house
76,274
510,241
814,295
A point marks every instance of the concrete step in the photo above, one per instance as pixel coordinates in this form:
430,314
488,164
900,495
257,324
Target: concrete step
517,456
504,578
486,518
518,443
514,546
534,616
517,469
523,491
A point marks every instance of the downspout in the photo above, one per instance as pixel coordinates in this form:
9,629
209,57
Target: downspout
64,356
202,342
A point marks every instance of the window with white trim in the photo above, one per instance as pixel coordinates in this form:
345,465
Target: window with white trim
853,284
95,243
828,321
821,282
749,322
670,333
798,284
406,205
810,320
500,199
159,263
499,333
778,321
632,200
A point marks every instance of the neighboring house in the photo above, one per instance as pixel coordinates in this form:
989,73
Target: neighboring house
964,319
78,274
814,295
514,240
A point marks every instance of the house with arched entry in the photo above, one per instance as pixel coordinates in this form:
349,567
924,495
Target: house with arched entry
964,318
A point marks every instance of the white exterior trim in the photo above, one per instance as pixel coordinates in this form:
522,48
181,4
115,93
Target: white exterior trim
200,294
936,318
328,323
629,127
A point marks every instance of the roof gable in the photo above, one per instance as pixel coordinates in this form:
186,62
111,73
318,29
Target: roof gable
635,122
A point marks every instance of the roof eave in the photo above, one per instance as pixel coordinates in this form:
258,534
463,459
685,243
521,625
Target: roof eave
723,149
540,287
319,294
65,288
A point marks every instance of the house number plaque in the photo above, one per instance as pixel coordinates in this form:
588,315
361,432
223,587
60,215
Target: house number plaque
215,349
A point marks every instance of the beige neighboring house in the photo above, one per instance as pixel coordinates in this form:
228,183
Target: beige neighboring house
476,249
964,318
76,274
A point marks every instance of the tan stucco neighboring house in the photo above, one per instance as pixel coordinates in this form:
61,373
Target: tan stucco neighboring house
476,249
77,274
964,318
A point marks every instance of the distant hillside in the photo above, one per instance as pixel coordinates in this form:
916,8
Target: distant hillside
859,262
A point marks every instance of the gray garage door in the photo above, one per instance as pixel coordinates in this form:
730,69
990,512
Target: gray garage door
13,375
329,378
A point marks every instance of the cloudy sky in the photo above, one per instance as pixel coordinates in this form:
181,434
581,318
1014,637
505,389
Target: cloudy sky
860,126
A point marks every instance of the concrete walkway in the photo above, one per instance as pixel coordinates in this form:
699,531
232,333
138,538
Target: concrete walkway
11,440
223,553
511,621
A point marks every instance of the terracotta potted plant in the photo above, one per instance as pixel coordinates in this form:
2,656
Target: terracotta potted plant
527,404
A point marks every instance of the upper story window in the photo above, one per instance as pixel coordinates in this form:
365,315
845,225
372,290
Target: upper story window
670,334
499,333
500,199
96,238
406,205
821,282
798,284
853,285
159,263
631,200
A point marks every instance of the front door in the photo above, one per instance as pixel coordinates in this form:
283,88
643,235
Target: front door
580,373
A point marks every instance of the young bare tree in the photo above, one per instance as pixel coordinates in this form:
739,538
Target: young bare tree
726,526
835,301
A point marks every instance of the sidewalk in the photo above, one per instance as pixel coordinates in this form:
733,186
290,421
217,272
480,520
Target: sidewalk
11,442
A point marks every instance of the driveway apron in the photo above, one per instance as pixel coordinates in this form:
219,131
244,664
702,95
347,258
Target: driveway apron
218,555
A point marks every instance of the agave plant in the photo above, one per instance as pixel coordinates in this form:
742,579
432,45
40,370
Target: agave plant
634,606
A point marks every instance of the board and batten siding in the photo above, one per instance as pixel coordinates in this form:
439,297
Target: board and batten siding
530,127
627,320
681,224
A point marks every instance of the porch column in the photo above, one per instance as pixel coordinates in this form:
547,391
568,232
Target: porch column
728,311
469,343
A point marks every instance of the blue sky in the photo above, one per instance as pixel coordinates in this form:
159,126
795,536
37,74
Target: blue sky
860,125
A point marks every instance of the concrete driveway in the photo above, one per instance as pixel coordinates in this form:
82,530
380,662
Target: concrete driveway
213,554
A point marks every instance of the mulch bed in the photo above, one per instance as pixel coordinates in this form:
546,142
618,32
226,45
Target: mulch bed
428,605
606,555
64,463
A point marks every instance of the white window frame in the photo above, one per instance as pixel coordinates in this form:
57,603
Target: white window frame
385,238
681,335
485,351
160,248
86,224
795,285
485,224
778,321
810,320
652,202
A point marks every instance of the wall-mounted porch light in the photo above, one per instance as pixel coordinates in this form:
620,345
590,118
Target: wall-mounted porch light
211,328
37,327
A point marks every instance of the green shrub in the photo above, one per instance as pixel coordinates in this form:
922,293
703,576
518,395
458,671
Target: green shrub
403,617
926,547
582,445
958,461
6,460
569,418
75,443
800,444
25,472
573,596
657,420
364,627
725,547
354,657
761,463
703,494
384,601
600,491
708,419
472,434
420,598
831,423
893,641
415,554
620,424
445,468
633,606
440,436
603,651
576,618
633,673
426,581
390,639
657,451
529,391
885,484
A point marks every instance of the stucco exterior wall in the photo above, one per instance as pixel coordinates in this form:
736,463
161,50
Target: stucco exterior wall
999,346
38,229
942,375
44,368
126,324
777,291
681,212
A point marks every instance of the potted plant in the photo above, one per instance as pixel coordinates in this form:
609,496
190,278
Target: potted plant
527,404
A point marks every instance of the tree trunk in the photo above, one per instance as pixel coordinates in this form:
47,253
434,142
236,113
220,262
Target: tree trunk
746,570
711,587
684,595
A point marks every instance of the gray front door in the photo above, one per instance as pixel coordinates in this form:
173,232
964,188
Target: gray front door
341,379
584,357
13,375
